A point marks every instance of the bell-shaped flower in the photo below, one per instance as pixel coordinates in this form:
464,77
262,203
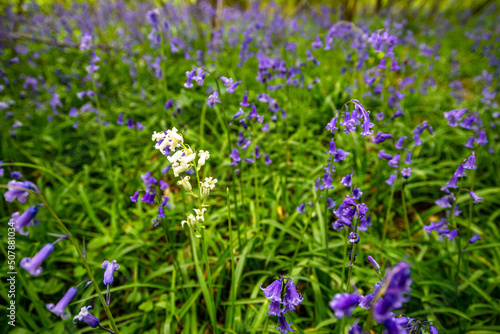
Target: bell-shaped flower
19,192
86,317
59,308
32,265
273,291
27,218
109,267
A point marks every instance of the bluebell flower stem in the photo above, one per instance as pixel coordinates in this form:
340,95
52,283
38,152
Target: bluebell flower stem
407,223
84,261
232,293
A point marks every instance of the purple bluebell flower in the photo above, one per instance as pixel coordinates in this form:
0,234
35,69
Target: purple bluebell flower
353,238
239,113
120,119
367,301
330,203
275,309
244,102
332,126
475,238
343,304
476,199
235,155
213,99
87,317
135,196
16,175
27,218
406,172
340,155
190,76
394,162
227,81
250,161
86,41
408,158
357,193
470,162
59,308
399,144
231,88
374,263
381,137
130,123
382,155
292,297
163,185
346,180
380,116
481,139
470,142
109,267
20,194
32,265
268,160
168,104
301,208
200,77
273,291
391,180
284,326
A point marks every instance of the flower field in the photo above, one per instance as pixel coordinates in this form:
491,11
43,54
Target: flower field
249,167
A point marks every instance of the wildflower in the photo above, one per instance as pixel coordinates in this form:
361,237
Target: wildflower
332,125
284,326
20,194
199,214
275,309
292,297
191,221
346,180
476,199
481,139
59,308
356,193
381,137
475,238
408,158
470,162
86,41
184,182
213,99
367,301
244,102
301,208
343,304
391,180
268,160
204,156
353,238
382,155
24,220
399,144
231,88
273,291
209,183
32,265
87,317
135,196
406,172
189,75
394,162
109,267
235,156
374,263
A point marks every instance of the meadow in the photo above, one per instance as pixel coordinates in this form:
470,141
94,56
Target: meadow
198,168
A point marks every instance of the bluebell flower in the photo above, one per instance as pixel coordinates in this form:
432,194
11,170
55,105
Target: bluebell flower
330,203
239,113
332,125
292,297
190,76
353,238
16,175
356,193
168,104
475,238
394,162
32,265
301,208
86,41
268,160
265,128
382,155
87,317
380,116
408,158
275,309
343,304
381,137
231,88
135,196
20,194
109,267
27,218
391,180
476,199
273,291
130,123
481,139
284,326
470,142
367,301
406,172
374,263
399,144
244,102
470,162
235,155
120,119
200,77
59,308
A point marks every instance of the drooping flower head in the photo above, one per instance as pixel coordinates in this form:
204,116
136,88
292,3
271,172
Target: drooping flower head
87,317
109,267
32,265
59,308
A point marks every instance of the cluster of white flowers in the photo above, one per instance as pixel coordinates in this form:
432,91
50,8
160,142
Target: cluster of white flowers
182,158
